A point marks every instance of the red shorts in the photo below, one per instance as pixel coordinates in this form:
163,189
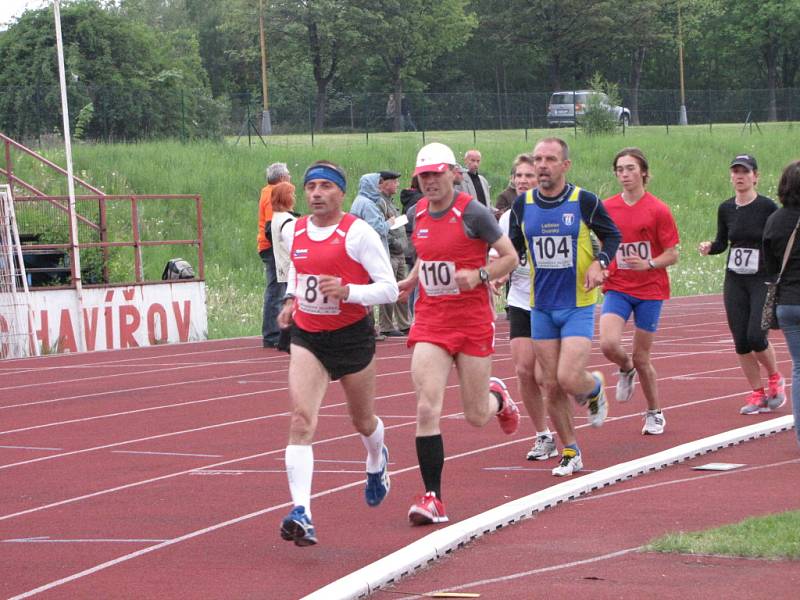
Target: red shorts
475,341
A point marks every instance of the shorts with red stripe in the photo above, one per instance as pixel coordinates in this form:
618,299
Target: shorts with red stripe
477,340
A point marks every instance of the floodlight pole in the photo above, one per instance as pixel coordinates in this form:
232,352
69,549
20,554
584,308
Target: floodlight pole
73,220
682,120
266,122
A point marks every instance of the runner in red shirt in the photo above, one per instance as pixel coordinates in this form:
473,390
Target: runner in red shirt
638,282
338,268
454,319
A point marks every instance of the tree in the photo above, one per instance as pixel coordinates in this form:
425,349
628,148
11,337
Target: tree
133,76
409,35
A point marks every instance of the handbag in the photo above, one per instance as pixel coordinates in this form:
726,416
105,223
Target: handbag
769,318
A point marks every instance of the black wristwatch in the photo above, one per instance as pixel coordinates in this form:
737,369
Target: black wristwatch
484,275
288,297
603,261
651,263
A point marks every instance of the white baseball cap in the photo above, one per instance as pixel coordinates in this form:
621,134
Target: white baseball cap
435,157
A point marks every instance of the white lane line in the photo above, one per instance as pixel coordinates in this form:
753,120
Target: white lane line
29,448
539,571
271,471
47,540
241,518
165,453
640,488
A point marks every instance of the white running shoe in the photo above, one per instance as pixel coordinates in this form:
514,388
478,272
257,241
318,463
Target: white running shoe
571,462
626,385
654,423
543,448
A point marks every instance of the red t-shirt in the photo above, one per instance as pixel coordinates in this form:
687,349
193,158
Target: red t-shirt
443,248
648,228
312,311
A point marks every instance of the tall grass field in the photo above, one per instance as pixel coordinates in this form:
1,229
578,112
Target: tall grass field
689,169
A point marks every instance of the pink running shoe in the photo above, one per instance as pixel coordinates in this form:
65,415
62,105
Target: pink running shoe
776,391
426,510
756,403
509,414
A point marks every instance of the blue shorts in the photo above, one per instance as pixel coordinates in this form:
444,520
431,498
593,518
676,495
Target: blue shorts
561,323
646,313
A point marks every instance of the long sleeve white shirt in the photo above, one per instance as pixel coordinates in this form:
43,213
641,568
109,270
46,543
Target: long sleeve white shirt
363,245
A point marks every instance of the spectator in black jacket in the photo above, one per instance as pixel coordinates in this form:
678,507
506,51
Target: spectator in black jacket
777,232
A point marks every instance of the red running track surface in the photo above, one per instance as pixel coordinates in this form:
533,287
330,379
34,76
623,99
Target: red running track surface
158,472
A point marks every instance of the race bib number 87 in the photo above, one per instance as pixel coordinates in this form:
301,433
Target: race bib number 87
552,252
743,260
438,277
310,300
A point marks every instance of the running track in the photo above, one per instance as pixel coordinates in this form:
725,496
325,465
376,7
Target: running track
158,472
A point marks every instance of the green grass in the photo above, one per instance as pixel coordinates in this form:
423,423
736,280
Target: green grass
688,166
773,536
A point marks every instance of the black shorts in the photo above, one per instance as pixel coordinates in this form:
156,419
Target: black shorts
520,321
341,351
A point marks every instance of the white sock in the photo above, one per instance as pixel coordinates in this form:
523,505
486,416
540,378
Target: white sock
374,446
299,470
545,432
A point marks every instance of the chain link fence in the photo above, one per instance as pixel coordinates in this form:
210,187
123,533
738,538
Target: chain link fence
122,114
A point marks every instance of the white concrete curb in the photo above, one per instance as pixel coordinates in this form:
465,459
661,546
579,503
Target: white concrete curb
416,555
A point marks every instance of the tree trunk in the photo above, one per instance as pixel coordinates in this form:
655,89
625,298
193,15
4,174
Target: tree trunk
397,122
637,65
320,105
771,58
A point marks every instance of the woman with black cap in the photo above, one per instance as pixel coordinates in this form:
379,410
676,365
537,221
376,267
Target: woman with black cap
740,224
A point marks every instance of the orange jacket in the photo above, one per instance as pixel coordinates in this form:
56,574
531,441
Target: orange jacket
264,215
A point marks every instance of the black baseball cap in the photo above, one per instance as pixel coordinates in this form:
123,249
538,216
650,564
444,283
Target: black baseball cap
389,175
745,160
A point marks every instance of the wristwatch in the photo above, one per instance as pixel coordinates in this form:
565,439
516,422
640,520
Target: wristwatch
603,261
288,297
484,275
651,263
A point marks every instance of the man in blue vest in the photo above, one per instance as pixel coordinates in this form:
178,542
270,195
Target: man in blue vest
552,225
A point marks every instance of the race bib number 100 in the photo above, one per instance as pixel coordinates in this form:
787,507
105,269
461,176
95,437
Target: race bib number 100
629,249
552,252
310,300
438,277
743,261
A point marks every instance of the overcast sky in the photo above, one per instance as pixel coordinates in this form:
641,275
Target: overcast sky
14,8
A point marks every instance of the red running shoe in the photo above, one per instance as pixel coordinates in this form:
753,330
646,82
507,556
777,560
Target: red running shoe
508,416
426,510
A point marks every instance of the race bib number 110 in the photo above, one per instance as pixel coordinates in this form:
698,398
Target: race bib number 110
438,277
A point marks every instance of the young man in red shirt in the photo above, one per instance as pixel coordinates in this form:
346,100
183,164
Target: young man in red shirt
454,318
638,282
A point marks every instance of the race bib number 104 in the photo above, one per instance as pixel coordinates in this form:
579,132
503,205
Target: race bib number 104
552,252
310,300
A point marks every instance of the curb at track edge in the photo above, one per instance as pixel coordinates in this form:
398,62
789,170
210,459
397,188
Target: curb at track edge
421,553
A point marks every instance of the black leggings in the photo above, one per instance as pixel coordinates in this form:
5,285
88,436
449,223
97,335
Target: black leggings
744,300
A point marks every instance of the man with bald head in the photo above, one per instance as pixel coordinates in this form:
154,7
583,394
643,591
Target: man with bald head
474,183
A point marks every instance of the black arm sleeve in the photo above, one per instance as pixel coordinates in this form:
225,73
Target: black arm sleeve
720,244
596,217
515,226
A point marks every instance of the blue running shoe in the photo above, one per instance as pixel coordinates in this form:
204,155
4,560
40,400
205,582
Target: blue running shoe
298,527
378,484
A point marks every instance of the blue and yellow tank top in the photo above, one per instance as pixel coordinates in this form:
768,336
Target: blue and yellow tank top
559,251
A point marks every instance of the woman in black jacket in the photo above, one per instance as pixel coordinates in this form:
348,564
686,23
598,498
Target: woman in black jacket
776,237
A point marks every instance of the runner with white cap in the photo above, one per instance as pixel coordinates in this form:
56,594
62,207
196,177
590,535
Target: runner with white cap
454,318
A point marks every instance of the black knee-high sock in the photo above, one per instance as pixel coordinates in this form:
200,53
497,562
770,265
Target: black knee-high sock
430,453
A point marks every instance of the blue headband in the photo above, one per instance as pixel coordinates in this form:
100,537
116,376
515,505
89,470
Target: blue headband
325,172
